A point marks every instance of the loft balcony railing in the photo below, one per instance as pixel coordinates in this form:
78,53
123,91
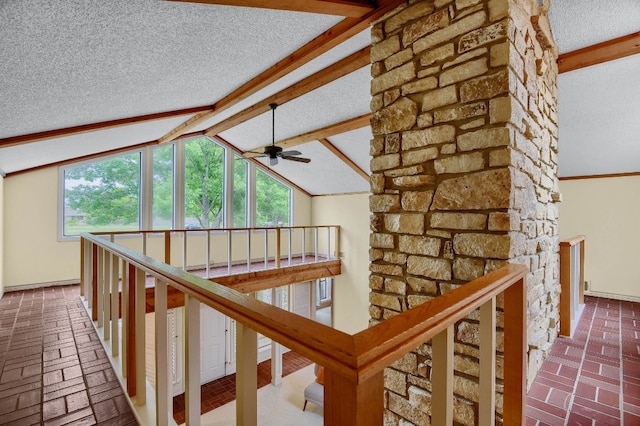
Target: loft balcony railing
354,364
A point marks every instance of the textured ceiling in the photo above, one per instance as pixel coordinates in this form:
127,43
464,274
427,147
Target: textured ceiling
73,62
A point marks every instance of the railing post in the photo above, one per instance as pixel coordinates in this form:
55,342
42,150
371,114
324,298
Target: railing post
337,244
442,378
93,300
167,247
278,253
139,339
487,363
83,280
229,255
347,402
106,295
266,249
115,305
246,376
163,406
131,368
515,353
192,361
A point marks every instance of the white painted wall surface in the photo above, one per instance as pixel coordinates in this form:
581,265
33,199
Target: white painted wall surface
607,212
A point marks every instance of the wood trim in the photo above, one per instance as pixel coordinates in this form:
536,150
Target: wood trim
598,53
85,128
331,73
572,241
331,147
515,353
255,281
353,9
565,293
335,35
602,176
324,132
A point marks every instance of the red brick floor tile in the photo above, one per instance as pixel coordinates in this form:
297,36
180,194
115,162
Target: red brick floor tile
53,409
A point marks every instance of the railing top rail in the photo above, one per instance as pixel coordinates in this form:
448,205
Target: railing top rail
355,356
162,231
573,240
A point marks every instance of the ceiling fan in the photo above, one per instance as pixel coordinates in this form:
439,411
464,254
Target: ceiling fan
273,151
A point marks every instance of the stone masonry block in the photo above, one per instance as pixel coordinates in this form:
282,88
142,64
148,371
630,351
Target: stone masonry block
417,201
439,97
431,136
384,49
477,221
450,32
424,26
419,245
401,115
429,267
484,138
489,189
395,77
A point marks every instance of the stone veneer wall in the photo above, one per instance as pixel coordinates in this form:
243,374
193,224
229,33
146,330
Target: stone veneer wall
464,173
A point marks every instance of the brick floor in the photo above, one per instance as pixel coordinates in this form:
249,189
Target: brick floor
594,377
49,355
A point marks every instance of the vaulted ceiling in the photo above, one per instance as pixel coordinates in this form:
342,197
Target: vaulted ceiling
81,79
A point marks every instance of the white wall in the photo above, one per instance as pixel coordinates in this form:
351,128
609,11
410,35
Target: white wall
607,212
351,288
31,230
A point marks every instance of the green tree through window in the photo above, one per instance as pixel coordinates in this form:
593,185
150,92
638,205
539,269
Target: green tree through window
103,195
273,201
204,175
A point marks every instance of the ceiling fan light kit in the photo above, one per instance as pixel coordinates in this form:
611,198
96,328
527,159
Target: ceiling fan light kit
273,151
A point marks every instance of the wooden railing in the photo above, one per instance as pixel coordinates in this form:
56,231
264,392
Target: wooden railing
243,249
572,284
354,364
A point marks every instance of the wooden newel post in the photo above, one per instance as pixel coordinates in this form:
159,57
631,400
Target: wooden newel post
355,404
515,353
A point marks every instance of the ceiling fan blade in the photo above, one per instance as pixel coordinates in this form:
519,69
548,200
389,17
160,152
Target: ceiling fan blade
298,159
293,152
273,161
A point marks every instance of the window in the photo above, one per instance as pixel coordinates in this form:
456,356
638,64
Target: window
162,214
204,184
240,178
102,196
273,201
182,185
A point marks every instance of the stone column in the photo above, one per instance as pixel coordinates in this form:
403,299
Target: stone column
464,171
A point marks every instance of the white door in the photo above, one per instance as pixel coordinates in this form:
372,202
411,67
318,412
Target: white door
212,344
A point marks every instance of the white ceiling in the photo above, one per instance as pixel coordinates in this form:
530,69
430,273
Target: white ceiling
77,62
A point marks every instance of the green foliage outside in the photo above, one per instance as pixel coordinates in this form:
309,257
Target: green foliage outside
107,192
272,201
204,175
105,195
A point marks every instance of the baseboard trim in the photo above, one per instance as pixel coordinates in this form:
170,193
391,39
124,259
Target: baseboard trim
40,285
613,296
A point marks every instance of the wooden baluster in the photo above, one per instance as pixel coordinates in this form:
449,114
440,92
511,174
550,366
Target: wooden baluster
83,280
337,244
93,299
515,353
246,376
106,295
347,402
278,253
139,339
266,249
442,378
164,402
125,317
99,306
115,305
167,247
131,332
488,363
192,360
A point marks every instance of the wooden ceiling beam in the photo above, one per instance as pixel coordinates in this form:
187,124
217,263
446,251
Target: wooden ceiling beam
598,53
333,72
331,147
324,132
84,128
326,41
351,9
